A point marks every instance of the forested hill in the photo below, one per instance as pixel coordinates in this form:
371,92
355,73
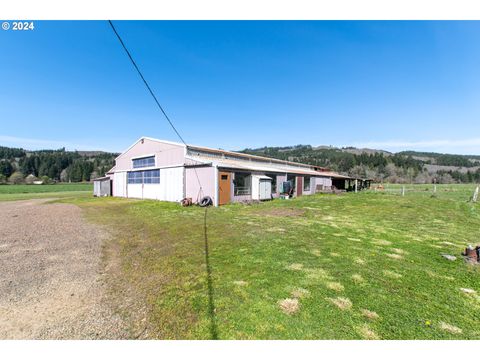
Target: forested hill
53,165
402,167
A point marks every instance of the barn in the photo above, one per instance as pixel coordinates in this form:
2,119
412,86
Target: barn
170,171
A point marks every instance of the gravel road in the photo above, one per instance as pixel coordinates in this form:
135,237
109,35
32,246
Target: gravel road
51,280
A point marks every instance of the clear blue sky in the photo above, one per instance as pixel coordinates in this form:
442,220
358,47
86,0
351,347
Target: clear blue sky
231,85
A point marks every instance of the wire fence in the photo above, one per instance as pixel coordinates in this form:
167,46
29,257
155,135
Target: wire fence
466,192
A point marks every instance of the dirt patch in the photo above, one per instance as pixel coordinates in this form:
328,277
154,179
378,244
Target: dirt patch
240,283
357,278
382,242
367,333
295,267
316,252
341,302
371,315
336,286
391,274
52,284
359,261
395,256
300,293
289,306
450,328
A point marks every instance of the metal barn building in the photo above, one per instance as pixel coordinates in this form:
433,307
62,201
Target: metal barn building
170,171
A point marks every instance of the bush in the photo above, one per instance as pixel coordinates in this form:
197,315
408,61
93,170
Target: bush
3,179
16,178
46,180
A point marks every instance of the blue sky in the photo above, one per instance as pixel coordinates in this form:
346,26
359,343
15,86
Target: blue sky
390,85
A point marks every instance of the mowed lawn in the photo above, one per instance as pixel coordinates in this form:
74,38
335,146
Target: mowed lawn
352,266
22,192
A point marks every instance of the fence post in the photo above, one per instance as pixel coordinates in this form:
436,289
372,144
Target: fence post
403,190
434,188
475,194
356,185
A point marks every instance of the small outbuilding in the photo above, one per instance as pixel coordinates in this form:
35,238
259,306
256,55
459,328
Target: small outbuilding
102,186
261,187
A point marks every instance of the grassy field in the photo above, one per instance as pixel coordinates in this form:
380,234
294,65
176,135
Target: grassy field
352,266
21,192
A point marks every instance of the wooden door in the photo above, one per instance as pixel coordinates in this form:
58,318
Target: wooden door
224,187
299,186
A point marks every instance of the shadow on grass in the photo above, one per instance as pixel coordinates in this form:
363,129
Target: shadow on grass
211,302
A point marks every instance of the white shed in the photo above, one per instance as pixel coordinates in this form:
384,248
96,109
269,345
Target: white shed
261,187
102,186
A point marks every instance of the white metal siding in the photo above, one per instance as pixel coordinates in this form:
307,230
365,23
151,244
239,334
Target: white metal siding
171,184
169,189
120,184
265,190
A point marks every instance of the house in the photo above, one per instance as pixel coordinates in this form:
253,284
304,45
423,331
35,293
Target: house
170,171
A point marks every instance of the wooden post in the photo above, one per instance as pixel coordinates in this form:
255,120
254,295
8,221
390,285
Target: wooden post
434,188
356,185
403,190
475,194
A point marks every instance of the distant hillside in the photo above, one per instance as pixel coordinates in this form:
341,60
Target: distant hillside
401,167
53,165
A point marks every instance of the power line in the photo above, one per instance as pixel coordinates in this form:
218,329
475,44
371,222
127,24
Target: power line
156,100
213,327
146,83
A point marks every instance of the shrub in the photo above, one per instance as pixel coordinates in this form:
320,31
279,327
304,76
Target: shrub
16,178
46,180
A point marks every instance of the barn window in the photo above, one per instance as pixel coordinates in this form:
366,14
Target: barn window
242,184
151,176
144,177
143,162
306,183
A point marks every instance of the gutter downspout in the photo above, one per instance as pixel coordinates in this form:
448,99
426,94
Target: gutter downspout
215,200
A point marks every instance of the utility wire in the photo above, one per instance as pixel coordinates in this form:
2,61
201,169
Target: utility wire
211,303
146,83
156,100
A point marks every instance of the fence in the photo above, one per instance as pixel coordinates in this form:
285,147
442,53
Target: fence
467,192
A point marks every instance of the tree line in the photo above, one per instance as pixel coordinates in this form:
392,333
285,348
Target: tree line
402,167
19,165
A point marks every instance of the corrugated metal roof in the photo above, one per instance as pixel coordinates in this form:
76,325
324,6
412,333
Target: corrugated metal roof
255,166
248,156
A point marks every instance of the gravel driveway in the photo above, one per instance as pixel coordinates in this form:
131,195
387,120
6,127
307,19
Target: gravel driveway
51,281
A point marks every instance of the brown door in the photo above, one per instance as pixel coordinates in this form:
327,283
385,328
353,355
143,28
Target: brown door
224,187
299,186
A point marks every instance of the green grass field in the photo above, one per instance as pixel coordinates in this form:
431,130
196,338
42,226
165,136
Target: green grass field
24,192
352,266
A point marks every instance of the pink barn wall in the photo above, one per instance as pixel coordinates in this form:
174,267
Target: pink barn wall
206,175
165,154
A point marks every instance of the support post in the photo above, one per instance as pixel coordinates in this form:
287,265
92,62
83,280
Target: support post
475,194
